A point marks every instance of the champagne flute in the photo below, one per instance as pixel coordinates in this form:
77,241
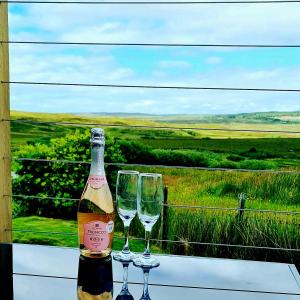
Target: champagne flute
149,205
126,196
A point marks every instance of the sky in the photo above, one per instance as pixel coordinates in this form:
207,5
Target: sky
208,67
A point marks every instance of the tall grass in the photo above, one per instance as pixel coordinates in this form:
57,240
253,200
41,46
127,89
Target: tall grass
219,189
226,228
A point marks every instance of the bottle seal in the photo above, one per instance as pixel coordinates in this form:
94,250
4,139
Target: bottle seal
97,136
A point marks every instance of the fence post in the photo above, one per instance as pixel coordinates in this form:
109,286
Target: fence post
241,207
165,219
5,163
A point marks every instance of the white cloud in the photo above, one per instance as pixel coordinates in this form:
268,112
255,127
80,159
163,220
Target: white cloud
202,23
178,24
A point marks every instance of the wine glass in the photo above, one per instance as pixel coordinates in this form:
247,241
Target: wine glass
149,205
126,196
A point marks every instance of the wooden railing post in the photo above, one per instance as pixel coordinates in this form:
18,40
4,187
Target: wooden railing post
5,163
241,206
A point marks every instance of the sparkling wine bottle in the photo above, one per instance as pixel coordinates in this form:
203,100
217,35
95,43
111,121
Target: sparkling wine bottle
96,211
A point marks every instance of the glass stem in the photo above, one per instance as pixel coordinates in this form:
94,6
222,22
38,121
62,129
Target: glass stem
126,246
125,278
145,289
147,243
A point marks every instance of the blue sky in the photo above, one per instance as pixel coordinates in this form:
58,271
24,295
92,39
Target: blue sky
207,24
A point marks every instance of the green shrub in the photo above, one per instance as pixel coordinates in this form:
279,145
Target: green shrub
136,152
235,157
255,164
185,157
49,179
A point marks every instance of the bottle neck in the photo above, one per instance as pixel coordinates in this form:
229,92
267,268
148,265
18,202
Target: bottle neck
97,164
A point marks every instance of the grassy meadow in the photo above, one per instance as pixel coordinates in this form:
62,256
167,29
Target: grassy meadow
254,150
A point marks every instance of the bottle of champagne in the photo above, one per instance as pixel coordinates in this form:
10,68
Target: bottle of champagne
96,211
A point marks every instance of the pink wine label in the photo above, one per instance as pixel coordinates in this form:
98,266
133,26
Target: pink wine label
96,181
96,236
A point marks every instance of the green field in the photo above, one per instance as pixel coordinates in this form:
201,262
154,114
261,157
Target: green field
254,150
57,226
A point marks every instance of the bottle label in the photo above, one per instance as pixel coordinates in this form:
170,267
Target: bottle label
96,235
97,181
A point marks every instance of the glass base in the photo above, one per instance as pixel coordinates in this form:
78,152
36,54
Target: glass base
146,262
124,297
124,256
145,298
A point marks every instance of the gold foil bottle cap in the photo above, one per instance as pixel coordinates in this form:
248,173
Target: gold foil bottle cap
97,136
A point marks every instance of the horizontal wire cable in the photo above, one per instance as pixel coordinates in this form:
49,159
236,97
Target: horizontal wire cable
152,44
156,166
166,285
43,198
42,232
233,209
149,126
141,86
152,2
165,241
175,205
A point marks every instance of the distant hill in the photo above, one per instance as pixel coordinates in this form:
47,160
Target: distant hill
257,117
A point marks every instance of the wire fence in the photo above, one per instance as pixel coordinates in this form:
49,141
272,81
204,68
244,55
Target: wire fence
151,2
167,285
44,160
138,44
155,87
201,207
144,86
164,240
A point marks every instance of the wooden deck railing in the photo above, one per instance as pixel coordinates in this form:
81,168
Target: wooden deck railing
5,122
5,162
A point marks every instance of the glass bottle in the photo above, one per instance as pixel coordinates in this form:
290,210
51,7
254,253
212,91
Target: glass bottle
96,211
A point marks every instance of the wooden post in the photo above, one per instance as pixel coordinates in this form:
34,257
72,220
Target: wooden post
5,163
165,219
242,202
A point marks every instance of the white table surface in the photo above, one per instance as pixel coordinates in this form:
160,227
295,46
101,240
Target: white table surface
182,277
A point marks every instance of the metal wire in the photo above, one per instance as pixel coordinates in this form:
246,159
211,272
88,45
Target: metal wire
167,241
176,205
152,127
166,285
42,232
157,166
43,198
234,209
140,86
151,44
161,87
149,126
151,2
